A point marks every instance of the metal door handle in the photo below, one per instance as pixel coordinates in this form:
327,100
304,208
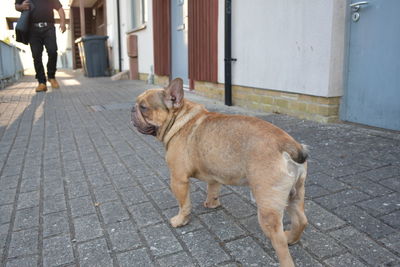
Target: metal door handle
356,6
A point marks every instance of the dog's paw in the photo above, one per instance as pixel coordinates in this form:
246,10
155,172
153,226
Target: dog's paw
178,221
212,204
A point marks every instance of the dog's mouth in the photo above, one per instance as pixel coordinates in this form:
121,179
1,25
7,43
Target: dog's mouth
141,124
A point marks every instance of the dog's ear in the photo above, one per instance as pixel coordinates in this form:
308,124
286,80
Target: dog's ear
173,94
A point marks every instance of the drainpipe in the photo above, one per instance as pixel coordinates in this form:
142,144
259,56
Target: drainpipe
119,37
228,53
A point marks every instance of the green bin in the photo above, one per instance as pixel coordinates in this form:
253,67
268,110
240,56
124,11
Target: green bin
93,54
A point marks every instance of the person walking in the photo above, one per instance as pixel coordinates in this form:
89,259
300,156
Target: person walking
42,33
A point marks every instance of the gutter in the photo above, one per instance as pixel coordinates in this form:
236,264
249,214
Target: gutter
119,37
228,52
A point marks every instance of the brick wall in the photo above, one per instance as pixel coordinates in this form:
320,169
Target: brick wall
322,109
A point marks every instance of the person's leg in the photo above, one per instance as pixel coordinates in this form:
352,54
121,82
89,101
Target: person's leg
36,44
50,43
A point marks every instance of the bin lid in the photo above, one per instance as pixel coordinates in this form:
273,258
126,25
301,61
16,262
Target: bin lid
91,37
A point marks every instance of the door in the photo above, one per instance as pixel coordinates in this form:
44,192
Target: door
179,40
372,95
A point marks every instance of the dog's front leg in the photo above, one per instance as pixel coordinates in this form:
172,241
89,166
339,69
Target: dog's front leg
180,187
212,200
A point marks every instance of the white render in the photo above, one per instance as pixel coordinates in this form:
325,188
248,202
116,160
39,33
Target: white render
286,45
291,46
145,36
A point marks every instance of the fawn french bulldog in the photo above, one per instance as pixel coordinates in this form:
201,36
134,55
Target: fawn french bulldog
231,150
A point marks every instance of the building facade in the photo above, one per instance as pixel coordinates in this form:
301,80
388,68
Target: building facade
301,58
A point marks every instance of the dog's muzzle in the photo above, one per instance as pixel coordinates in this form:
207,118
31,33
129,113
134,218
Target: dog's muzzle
140,123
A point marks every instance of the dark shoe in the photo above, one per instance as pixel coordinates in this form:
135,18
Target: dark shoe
41,87
54,83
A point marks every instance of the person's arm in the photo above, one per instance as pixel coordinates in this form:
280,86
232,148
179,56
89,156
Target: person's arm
23,6
61,13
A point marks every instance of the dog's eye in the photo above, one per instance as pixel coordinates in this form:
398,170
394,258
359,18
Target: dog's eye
142,108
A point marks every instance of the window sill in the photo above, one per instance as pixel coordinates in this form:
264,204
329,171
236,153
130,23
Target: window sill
137,29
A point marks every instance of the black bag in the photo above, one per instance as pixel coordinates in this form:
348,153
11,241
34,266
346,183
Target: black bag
23,25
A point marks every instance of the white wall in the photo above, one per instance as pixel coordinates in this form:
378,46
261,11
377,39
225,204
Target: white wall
286,45
145,36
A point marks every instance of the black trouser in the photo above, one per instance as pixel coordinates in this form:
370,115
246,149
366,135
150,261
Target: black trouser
39,37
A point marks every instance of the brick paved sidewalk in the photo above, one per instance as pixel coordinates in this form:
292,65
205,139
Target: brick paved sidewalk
78,187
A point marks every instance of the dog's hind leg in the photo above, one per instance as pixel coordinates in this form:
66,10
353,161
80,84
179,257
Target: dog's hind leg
212,201
271,223
296,211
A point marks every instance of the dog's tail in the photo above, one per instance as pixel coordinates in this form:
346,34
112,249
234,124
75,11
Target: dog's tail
298,152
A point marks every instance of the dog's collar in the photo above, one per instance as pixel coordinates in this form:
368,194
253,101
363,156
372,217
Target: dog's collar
176,122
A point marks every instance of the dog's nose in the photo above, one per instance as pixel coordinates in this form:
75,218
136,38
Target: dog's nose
133,108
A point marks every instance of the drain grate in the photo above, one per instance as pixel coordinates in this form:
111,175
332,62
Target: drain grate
111,106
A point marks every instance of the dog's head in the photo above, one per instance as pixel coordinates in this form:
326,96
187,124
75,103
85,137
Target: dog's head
152,108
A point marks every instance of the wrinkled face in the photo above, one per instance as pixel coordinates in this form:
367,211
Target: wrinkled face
150,111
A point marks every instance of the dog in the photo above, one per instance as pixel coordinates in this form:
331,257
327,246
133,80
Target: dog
230,150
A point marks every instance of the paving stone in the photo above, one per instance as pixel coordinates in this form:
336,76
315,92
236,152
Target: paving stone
55,223
5,213
315,190
222,225
105,194
113,212
382,173
353,181
28,200
124,236
139,257
178,259
82,206
381,205
346,170
392,242
322,218
94,253
116,169
77,190
236,206
54,204
392,183
133,195
27,261
23,242
53,188
152,183
343,198
161,240
194,223
360,245
302,258
99,179
57,251
87,227
251,224
164,199
145,214
9,182
125,180
3,236
364,222
392,219
26,218
326,181
204,248
31,184
75,177
344,260
248,253
7,196
320,244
